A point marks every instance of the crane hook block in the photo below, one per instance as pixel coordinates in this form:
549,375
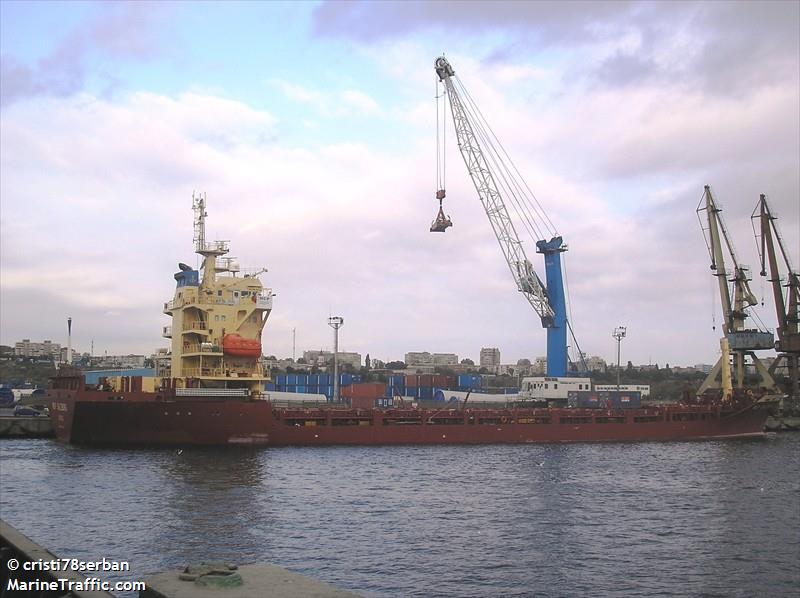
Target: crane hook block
440,194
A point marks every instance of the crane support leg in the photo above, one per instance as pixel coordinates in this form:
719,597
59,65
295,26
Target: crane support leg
557,332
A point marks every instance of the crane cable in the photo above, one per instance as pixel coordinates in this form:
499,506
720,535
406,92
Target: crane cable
580,358
501,174
441,137
506,175
438,149
530,206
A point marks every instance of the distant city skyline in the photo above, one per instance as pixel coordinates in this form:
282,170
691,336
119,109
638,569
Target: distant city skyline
311,127
319,356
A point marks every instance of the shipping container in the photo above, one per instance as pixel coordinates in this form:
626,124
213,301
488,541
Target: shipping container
442,381
584,399
751,340
468,381
371,390
620,399
425,380
392,391
397,380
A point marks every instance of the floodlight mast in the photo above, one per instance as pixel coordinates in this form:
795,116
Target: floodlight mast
335,322
619,333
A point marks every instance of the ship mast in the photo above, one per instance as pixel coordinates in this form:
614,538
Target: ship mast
209,251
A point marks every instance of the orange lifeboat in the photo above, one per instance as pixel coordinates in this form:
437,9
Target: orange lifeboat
237,346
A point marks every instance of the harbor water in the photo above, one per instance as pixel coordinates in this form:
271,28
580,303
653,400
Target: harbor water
716,518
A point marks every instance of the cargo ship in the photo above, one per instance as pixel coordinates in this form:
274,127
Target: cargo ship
215,394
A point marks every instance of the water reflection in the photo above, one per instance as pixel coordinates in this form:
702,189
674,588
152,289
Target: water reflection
210,499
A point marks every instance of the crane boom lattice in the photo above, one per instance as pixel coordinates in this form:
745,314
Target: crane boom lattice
497,181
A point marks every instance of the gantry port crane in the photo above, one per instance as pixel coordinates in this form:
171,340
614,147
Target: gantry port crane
496,179
737,341
788,308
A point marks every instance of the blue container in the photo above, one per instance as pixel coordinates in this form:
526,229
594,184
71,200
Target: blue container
291,379
411,391
300,389
269,386
392,391
280,379
512,391
327,391
302,379
345,379
325,379
584,399
467,381
426,393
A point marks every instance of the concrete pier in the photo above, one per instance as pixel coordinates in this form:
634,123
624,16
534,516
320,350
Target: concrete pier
17,549
38,426
230,581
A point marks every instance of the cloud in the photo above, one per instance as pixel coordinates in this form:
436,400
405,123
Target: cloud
551,20
330,104
343,229
616,113
720,47
119,31
360,102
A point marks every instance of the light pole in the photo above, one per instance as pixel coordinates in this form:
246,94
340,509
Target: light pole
335,322
69,340
619,334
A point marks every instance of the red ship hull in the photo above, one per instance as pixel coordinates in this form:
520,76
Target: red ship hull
138,418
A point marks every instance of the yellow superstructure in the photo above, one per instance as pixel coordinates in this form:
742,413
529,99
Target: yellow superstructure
217,320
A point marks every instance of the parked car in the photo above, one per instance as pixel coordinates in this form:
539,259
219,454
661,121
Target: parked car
25,411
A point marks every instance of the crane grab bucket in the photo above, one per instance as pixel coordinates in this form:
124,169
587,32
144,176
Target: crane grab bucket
442,222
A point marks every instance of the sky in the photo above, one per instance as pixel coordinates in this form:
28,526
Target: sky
311,127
